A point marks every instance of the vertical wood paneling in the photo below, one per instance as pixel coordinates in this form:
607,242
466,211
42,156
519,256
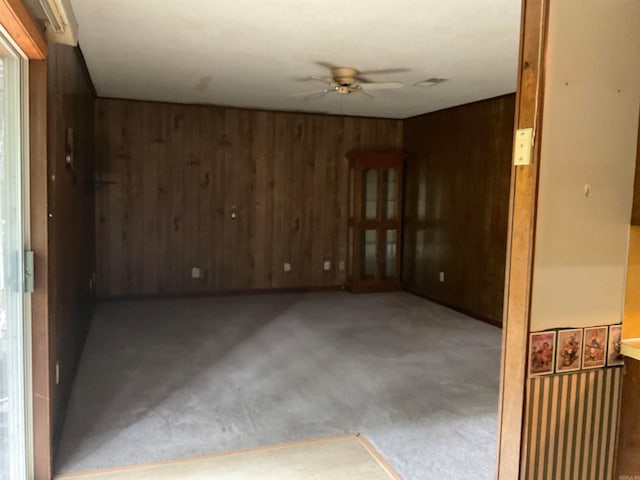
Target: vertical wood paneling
71,208
170,176
571,421
456,205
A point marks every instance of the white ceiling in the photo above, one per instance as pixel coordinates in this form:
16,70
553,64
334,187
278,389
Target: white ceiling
254,53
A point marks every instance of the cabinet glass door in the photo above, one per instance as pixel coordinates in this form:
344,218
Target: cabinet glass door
369,254
389,249
13,443
374,223
370,194
390,194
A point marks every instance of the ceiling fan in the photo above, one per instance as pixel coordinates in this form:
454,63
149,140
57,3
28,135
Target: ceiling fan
348,80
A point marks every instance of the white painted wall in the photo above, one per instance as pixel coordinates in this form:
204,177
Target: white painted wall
589,136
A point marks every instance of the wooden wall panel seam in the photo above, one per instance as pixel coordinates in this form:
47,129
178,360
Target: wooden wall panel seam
85,70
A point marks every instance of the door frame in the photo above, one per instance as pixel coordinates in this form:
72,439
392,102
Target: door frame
27,36
23,196
521,241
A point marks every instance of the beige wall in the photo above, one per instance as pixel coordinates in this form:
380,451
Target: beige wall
589,136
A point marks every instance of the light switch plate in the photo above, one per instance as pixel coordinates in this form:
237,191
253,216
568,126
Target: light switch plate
523,146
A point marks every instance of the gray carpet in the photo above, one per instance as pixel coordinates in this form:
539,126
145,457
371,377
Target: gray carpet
167,379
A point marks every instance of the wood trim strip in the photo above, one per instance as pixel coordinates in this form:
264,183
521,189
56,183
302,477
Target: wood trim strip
85,70
329,116
221,293
520,250
455,308
39,244
380,459
18,23
635,212
297,443
484,100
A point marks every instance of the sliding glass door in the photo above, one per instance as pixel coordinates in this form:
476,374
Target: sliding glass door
14,306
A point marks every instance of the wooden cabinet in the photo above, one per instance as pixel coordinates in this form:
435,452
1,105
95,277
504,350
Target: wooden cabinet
375,220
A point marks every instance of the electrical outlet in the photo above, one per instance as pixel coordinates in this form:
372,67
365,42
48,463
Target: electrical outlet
442,277
286,267
341,265
326,265
57,373
196,273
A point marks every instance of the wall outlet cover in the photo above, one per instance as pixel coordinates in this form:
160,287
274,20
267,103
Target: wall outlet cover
326,265
286,267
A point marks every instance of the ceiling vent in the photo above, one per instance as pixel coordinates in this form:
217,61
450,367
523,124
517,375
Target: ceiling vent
61,24
430,82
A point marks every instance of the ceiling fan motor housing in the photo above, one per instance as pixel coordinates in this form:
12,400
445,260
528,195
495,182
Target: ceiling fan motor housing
344,76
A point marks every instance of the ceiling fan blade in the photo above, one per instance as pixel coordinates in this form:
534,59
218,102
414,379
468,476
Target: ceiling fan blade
313,92
380,86
317,96
361,92
326,65
386,70
310,78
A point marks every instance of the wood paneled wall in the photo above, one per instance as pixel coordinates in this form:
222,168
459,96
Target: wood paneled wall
456,205
171,176
71,223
